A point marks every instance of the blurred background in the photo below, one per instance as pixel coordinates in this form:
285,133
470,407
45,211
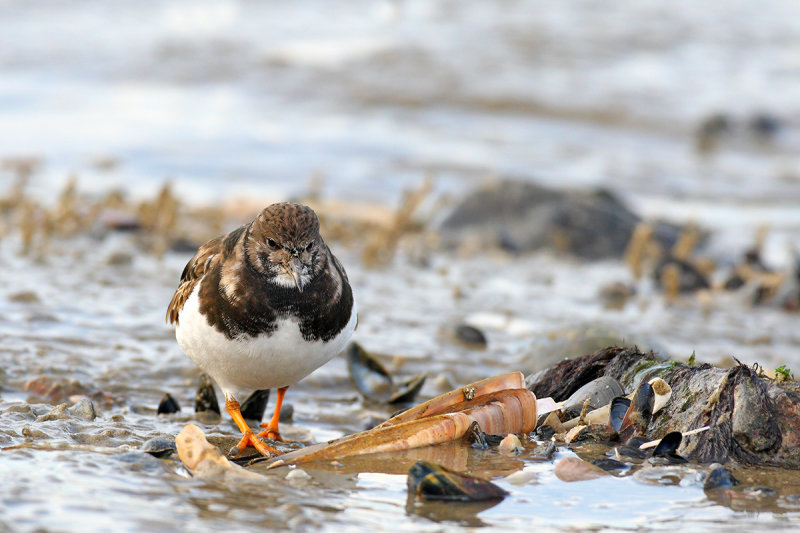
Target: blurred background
507,183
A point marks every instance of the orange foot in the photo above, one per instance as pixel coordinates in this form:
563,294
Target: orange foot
270,433
249,439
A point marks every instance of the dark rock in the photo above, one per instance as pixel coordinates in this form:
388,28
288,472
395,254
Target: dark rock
522,216
205,399
434,482
254,406
719,478
287,412
751,420
160,447
168,405
543,432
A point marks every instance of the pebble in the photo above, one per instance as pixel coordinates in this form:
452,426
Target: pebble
297,473
521,477
510,444
83,410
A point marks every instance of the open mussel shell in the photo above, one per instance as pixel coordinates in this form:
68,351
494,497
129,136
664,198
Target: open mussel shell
619,406
668,447
406,392
368,375
599,392
669,444
434,482
638,415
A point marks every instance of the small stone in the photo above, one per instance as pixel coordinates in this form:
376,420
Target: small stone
58,412
287,413
120,259
510,444
84,410
25,297
521,477
720,478
297,473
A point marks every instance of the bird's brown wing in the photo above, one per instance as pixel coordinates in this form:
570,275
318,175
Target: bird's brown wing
192,273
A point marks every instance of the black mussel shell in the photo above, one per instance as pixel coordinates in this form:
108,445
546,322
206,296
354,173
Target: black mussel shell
619,406
471,335
669,444
632,449
205,399
368,375
254,406
543,432
640,410
168,405
611,465
720,478
430,481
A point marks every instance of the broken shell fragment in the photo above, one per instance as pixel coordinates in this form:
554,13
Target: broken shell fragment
662,392
434,482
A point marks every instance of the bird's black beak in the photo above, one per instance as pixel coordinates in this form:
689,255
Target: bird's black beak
294,267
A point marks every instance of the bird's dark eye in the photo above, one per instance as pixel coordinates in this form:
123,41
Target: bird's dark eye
310,245
272,244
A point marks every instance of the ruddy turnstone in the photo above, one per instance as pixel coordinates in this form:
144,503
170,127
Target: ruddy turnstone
262,307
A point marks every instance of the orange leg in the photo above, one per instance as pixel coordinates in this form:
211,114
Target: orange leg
272,426
248,438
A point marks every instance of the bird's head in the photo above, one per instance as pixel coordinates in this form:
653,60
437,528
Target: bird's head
285,245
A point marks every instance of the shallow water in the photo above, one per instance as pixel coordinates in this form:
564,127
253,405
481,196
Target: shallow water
231,99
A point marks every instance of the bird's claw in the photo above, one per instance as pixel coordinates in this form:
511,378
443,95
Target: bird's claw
249,439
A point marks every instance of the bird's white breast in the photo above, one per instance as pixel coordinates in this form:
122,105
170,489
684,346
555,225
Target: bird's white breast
240,366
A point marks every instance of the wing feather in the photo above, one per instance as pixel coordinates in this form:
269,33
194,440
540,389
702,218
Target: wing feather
193,272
